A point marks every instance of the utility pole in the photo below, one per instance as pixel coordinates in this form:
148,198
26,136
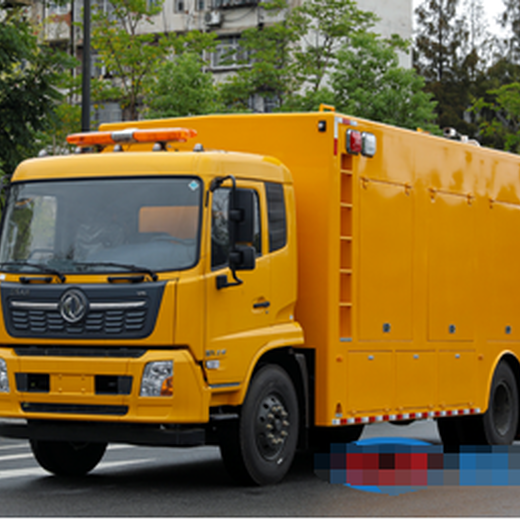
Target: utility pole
85,87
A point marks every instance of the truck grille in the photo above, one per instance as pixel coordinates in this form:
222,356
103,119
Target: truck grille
121,312
107,322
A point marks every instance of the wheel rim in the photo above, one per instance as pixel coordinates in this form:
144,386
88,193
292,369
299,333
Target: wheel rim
502,409
272,427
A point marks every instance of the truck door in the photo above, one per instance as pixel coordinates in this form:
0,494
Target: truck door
237,317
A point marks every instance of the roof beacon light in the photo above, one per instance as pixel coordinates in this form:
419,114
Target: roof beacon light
131,136
354,142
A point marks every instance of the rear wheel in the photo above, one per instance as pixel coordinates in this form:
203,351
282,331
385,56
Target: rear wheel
68,458
500,422
259,447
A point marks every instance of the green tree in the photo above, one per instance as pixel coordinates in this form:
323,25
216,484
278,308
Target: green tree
328,25
30,76
369,83
268,68
66,120
288,60
510,21
128,54
438,41
180,87
502,127
452,52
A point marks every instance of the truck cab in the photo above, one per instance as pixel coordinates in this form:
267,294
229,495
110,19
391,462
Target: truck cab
139,292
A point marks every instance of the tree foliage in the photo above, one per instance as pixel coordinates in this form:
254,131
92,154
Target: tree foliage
501,127
327,25
453,52
30,76
180,88
324,52
269,69
369,83
128,53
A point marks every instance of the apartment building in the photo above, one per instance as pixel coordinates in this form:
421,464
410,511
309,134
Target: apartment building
226,18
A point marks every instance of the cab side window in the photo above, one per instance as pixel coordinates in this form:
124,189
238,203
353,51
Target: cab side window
220,228
276,216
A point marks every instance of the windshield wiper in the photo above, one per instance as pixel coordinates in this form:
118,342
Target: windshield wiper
41,267
129,267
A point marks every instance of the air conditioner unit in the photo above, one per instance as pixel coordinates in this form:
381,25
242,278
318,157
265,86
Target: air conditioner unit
213,18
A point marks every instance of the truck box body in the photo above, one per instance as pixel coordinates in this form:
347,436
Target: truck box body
407,290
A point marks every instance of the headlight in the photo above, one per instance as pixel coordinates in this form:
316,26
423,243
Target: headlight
157,379
4,380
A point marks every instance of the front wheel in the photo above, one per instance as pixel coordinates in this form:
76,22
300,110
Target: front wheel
259,447
71,459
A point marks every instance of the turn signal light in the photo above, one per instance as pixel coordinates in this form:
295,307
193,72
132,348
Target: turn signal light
167,387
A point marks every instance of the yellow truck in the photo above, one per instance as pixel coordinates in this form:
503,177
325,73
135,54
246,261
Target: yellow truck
258,282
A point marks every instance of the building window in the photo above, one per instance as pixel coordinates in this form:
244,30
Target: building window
179,6
229,54
217,4
58,9
200,5
97,69
271,103
109,112
105,7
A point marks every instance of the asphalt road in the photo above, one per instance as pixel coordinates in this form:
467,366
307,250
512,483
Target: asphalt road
136,481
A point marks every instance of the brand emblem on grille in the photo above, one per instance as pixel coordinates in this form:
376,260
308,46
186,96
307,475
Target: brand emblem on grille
73,305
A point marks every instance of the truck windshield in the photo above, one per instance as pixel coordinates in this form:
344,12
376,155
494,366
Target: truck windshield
102,225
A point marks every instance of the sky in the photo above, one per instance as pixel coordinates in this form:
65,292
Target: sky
492,7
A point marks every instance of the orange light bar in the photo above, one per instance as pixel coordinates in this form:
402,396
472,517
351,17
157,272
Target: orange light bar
91,139
162,135
132,135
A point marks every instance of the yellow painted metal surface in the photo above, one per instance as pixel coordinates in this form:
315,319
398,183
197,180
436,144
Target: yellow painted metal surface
401,269
386,273
72,381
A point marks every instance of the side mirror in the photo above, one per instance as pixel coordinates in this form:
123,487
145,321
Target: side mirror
241,219
241,216
242,258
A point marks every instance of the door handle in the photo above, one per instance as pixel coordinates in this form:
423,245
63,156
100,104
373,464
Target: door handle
261,305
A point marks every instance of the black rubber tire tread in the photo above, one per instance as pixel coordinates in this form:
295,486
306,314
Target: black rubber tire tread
67,458
482,429
238,443
451,430
503,381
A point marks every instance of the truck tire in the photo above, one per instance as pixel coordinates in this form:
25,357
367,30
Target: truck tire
259,447
69,459
451,430
500,422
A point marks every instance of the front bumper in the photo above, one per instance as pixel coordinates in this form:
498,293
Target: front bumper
102,389
79,431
